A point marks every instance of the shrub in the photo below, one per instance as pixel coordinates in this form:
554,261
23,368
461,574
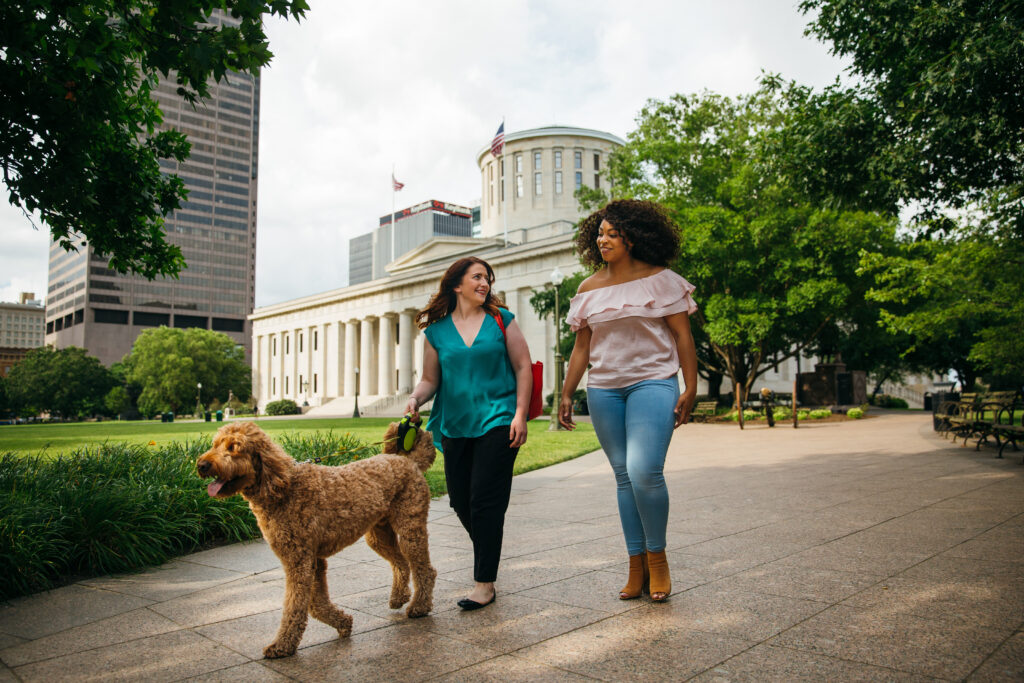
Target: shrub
285,406
802,414
819,414
855,413
782,414
887,401
118,507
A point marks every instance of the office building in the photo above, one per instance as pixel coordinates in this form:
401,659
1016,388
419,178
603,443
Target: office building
21,329
91,306
370,254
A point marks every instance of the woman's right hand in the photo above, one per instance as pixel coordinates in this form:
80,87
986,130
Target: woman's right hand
565,413
412,409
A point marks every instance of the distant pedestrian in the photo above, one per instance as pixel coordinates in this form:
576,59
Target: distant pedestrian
632,324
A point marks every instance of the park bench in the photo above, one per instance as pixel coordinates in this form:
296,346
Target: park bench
1008,425
703,410
980,416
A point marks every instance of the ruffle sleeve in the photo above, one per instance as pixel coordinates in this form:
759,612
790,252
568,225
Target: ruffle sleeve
656,296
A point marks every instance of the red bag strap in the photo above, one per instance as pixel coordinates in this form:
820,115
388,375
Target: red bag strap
501,324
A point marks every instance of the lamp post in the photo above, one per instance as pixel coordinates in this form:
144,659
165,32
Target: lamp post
199,402
556,279
305,392
355,412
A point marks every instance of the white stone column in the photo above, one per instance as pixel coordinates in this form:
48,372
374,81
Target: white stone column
367,383
293,383
308,347
405,352
351,357
281,371
324,360
257,377
386,356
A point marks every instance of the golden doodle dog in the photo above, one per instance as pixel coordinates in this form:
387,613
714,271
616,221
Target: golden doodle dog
309,512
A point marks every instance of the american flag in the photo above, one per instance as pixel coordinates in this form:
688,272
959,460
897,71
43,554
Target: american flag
395,185
499,140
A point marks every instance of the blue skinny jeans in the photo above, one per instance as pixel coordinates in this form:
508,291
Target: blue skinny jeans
634,425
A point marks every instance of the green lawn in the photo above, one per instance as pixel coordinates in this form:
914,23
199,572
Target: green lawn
542,448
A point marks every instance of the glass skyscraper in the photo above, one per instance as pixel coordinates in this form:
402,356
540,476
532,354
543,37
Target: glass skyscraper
91,306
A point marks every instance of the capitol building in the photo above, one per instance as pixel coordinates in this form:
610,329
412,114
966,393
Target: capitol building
324,349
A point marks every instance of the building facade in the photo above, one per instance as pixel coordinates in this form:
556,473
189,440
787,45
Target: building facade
323,349
370,254
91,306
21,329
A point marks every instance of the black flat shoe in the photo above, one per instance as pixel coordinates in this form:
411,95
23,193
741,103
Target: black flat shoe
470,605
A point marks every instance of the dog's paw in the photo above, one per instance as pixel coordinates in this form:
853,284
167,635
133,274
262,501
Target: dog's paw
417,611
276,650
398,598
344,627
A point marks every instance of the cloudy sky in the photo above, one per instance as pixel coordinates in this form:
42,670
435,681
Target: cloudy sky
360,86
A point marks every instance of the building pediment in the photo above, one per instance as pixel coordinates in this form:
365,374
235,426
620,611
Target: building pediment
439,249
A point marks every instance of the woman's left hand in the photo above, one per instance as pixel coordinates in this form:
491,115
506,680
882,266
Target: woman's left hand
517,432
684,406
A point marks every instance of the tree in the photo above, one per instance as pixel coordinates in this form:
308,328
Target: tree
168,363
959,298
64,382
543,303
78,125
771,268
936,110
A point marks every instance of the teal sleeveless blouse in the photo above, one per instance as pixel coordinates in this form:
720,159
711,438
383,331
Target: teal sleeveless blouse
477,388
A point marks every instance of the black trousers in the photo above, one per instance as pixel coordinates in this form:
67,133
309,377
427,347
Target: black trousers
479,475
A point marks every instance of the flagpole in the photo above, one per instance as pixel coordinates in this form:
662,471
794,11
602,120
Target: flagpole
394,233
504,197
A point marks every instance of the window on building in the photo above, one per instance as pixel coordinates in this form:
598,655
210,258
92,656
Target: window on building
299,341
519,186
273,346
315,334
286,382
286,348
538,184
577,159
558,182
558,158
273,385
597,181
314,382
579,180
597,161
536,161
519,163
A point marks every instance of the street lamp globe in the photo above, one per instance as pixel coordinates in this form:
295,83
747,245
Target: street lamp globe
556,277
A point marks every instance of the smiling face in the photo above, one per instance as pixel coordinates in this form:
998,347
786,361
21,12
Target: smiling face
612,245
474,286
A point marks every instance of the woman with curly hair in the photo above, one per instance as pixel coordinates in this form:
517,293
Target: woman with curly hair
476,366
632,325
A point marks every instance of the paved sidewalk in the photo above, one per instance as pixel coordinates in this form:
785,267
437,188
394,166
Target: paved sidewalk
868,551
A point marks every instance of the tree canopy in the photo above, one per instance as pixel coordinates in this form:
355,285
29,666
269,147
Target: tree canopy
64,382
771,268
935,116
168,363
79,138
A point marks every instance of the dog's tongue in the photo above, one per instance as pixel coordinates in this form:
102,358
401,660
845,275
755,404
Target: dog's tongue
215,486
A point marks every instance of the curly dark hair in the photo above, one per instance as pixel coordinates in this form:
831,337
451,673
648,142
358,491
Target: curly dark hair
644,224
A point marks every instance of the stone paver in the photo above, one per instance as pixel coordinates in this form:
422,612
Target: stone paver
857,551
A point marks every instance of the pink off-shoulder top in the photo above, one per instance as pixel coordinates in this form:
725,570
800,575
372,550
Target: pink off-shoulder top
630,340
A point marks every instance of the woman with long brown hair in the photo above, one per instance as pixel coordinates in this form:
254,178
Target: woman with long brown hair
476,366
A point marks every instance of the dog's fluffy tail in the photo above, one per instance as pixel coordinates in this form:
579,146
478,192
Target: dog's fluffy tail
422,452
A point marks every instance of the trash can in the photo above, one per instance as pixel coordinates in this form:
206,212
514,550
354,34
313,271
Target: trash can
928,400
163,417
206,416
170,416
220,416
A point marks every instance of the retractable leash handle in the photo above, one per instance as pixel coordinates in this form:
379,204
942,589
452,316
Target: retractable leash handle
408,431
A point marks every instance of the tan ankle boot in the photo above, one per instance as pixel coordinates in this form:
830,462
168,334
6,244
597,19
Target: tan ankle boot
661,582
638,578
